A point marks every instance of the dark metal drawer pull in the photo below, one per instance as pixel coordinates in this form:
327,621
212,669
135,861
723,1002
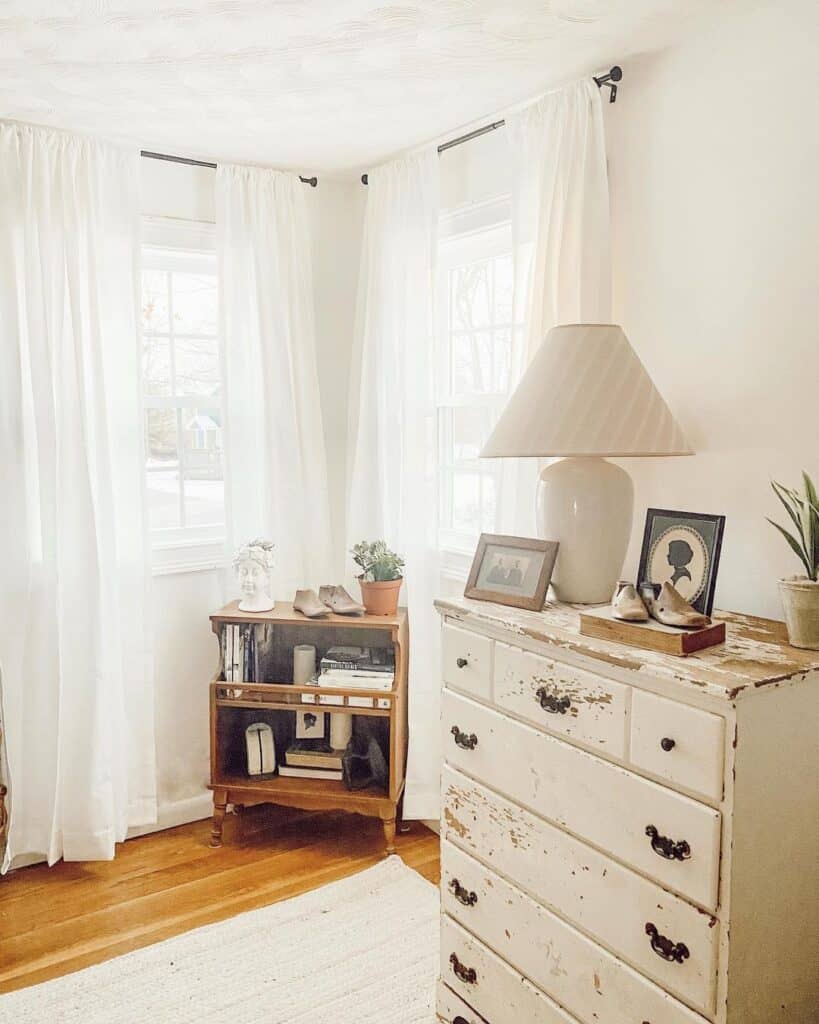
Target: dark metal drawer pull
554,705
674,952
468,975
461,662
459,1020
667,848
668,744
462,740
469,899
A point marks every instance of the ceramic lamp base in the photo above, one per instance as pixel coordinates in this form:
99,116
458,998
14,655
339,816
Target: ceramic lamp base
586,504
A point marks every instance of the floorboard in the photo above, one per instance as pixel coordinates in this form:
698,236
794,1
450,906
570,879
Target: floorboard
60,919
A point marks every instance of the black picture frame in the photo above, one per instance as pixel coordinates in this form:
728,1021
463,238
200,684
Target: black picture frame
698,532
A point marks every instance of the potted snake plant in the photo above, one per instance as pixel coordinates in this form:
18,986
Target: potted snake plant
381,576
800,594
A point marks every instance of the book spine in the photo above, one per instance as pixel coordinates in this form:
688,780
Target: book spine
227,634
237,660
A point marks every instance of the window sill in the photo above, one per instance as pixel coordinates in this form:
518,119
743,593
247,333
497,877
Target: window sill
174,558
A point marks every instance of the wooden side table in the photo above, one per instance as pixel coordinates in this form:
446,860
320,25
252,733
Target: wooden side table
233,705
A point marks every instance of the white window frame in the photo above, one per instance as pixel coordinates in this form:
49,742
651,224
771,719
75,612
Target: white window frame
469,234
171,244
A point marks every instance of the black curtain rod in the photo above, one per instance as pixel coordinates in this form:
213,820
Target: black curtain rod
204,163
611,78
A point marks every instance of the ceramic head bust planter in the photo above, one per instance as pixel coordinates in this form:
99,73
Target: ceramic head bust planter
252,564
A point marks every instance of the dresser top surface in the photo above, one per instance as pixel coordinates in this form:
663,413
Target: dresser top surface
755,654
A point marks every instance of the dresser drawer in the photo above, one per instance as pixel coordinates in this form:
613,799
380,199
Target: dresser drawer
678,743
597,801
467,661
608,901
451,1009
577,973
561,698
497,992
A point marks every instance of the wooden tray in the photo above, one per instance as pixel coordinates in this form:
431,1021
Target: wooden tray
651,635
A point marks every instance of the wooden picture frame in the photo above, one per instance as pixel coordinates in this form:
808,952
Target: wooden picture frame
531,559
698,536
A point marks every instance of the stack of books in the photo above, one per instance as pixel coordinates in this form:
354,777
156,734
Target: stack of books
239,653
307,760
355,668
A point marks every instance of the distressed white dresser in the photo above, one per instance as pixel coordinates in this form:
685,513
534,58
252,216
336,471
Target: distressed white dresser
627,837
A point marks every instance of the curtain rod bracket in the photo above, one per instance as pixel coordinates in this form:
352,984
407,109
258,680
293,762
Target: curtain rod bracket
614,75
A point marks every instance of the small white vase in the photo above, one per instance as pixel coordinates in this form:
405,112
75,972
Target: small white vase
800,600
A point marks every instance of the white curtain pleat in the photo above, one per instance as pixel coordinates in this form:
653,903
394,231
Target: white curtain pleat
276,472
561,239
392,478
75,652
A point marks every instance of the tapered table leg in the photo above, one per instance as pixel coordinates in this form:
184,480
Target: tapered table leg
219,809
389,835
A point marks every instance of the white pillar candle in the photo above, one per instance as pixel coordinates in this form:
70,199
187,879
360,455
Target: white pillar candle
304,663
341,730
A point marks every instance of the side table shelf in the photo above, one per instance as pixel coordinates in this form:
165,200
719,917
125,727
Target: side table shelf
233,703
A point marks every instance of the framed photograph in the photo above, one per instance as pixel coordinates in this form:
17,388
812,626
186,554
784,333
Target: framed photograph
512,570
682,548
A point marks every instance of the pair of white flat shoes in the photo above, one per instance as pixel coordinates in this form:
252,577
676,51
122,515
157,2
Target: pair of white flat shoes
328,601
668,607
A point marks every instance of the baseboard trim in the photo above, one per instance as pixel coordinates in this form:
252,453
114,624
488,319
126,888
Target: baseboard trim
180,812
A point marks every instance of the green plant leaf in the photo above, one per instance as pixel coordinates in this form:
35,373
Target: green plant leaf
789,502
797,550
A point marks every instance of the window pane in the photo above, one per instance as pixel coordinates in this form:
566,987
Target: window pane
489,503
469,428
503,289
502,361
470,296
162,465
194,303
154,300
197,366
466,502
156,365
472,363
204,476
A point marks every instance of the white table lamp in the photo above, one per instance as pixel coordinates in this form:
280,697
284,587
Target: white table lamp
586,397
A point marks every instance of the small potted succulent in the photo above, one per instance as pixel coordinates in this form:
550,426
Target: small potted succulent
381,576
800,594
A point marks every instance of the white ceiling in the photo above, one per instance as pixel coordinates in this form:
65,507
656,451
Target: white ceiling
327,85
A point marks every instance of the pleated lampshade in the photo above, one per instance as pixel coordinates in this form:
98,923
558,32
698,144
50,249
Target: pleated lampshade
586,393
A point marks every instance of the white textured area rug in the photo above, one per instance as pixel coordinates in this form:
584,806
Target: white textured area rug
360,951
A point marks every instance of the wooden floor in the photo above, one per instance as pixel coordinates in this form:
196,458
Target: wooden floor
57,920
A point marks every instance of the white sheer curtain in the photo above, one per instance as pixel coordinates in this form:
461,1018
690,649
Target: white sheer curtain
392,482
560,231
275,459
77,676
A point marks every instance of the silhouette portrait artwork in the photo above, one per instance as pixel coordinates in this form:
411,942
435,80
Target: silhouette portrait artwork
680,554
683,549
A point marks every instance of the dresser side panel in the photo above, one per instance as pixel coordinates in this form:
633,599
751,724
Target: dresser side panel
773,967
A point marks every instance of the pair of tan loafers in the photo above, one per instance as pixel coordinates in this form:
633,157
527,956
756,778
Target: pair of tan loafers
328,601
668,607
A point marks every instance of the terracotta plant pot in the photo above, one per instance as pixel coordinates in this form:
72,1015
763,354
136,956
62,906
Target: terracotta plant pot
380,597
800,599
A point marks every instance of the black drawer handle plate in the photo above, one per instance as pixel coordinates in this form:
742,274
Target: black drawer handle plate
468,975
469,899
554,705
665,847
673,952
462,740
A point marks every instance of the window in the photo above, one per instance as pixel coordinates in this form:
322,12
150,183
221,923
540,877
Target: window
182,394
475,332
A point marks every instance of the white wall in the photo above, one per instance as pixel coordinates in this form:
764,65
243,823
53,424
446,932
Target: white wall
185,648
713,154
